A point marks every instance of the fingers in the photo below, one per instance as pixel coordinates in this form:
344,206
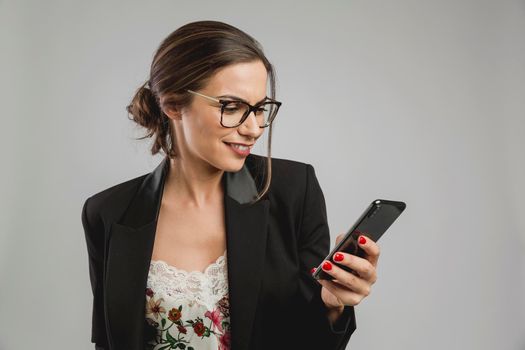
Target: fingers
346,296
355,283
364,267
361,266
371,249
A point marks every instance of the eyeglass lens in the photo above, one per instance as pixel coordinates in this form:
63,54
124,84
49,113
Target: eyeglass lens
234,111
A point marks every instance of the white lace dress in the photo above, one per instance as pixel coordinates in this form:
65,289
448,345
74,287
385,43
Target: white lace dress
189,309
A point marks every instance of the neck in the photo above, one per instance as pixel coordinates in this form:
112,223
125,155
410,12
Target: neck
194,185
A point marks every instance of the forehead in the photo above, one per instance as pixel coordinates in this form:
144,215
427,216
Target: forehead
247,80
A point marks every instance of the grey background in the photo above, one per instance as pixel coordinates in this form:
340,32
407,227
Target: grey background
421,101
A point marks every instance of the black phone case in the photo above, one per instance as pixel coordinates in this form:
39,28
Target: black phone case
373,223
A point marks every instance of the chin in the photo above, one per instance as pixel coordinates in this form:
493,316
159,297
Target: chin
234,166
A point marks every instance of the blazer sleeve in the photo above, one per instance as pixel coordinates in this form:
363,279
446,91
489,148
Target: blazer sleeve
314,246
94,235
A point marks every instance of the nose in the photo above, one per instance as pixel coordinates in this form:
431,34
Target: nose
250,126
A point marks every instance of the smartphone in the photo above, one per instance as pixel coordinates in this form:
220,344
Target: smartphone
373,223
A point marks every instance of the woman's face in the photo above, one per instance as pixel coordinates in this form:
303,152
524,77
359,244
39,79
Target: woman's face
200,136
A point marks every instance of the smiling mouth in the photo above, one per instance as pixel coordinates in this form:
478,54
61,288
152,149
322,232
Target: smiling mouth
239,148
240,144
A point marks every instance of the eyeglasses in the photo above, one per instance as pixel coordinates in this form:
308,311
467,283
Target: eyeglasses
235,112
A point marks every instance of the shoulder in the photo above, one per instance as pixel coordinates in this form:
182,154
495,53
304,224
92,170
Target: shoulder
281,165
289,178
105,201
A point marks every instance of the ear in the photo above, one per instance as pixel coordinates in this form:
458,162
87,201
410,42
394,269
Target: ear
172,113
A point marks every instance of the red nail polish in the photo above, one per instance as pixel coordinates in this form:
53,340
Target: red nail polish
312,270
327,266
338,257
362,240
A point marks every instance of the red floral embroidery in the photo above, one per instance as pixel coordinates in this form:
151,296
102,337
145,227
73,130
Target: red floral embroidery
225,341
174,315
216,317
219,325
199,328
182,329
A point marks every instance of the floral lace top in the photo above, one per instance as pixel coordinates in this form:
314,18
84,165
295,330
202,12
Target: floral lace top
189,309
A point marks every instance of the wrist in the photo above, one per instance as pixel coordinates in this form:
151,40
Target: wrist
334,313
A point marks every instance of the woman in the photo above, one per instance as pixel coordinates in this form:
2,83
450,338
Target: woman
214,249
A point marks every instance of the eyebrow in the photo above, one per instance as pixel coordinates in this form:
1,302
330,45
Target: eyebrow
241,99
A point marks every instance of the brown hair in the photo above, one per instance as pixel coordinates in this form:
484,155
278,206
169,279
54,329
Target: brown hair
187,59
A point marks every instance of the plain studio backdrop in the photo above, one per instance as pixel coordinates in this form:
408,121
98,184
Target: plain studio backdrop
419,101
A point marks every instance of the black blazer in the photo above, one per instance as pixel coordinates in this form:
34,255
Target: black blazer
275,303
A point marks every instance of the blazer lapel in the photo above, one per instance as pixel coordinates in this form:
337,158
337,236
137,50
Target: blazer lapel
131,246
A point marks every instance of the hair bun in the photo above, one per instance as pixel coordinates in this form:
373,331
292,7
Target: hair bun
145,109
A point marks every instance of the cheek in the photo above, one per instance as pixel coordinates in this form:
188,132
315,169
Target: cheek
205,131
198,125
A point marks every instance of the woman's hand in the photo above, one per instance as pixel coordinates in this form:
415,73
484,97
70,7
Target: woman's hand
347,288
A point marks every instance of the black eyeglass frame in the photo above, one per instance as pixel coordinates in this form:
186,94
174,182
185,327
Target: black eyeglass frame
225,103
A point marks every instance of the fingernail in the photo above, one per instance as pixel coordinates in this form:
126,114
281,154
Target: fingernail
312,270
362,240
327,266
338,257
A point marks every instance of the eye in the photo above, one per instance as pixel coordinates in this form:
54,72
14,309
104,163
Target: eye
231,109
